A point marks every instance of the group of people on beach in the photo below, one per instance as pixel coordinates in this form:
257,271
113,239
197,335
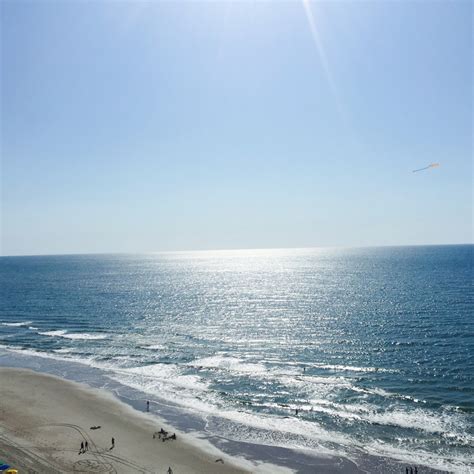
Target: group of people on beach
163,435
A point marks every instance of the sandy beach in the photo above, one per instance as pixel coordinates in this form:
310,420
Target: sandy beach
44,420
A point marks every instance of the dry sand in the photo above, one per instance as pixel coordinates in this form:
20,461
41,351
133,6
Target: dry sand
44,419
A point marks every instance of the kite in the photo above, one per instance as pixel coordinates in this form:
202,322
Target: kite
433,165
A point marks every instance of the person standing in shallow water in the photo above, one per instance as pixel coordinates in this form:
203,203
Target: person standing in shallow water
148,405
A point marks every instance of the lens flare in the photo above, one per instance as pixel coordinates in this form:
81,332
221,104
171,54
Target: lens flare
322,55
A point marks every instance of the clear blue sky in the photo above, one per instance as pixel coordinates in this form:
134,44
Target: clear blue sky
130,126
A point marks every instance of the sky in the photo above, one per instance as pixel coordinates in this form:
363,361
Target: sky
154,126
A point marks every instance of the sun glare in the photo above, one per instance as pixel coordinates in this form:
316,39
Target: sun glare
307,5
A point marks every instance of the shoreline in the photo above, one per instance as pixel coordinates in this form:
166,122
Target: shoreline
241,456
44,419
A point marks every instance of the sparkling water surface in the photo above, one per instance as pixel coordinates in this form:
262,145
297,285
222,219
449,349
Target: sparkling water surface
373,347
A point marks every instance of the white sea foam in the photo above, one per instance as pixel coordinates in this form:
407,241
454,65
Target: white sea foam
153,347
351,368
35,353
231,364
85,336
459,464
420,419
374,391
17,324
166,375
65,334
286,375
448,425
310,385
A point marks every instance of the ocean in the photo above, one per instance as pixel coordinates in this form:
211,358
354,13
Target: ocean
350,352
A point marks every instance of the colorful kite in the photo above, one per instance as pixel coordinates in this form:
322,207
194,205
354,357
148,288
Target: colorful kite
433,165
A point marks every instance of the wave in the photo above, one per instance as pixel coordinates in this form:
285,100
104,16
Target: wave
237,365
286,376
422,420
18,324
85,336
350,368
153,347
459,464
63,355
65,334
444,424
169,373
57,333
231,364
36,353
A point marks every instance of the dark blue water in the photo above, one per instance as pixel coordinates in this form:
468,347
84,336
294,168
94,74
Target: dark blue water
373,347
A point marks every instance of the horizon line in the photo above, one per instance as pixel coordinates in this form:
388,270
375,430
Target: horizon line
148,252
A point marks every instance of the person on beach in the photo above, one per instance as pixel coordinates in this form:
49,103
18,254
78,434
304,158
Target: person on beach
169,471
113,443
82,447
148,405
86,446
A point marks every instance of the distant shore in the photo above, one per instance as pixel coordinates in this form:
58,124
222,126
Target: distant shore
44,420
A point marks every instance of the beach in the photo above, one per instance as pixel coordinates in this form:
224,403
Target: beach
44,420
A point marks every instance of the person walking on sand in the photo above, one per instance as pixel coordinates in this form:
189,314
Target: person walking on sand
86,446
169,471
